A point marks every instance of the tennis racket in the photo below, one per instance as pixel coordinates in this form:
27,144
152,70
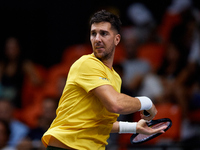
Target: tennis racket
141,138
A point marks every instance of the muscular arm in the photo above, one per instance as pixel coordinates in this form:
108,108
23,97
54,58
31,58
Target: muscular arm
116,102
123,104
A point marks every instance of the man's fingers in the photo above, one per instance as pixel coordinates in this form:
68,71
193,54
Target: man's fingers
146,118
159,130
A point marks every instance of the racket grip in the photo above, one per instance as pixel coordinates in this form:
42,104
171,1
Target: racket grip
146,113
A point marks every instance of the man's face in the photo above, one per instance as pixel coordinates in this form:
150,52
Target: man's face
103,39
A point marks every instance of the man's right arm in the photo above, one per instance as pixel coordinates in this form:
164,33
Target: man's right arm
121,103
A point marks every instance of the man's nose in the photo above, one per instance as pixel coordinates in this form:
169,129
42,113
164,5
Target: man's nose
98,38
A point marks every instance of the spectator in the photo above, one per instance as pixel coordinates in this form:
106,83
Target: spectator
134,67
4,135
142,20
172,17
13,67
48,114
11,75
18,129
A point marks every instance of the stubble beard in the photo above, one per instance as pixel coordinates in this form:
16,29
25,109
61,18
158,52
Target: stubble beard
106,55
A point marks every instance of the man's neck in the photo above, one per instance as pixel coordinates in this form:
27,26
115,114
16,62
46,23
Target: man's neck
108,64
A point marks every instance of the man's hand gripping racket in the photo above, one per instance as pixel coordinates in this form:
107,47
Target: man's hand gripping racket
147,130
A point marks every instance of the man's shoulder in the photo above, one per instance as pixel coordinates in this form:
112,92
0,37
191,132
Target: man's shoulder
87,60
86,57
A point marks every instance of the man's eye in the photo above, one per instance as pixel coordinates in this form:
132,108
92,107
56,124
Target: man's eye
93,34
104,33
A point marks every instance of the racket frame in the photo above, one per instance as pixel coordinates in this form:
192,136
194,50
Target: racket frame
149,124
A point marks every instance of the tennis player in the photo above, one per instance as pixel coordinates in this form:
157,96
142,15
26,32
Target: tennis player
91,101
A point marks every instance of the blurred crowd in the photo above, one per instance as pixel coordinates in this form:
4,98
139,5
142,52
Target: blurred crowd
161,61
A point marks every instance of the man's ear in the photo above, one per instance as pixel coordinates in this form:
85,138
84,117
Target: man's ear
117,39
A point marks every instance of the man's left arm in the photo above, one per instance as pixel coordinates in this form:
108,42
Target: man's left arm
135,127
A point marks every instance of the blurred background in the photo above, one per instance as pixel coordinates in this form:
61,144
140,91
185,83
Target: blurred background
158,56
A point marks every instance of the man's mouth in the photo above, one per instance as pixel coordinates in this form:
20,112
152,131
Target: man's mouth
99,47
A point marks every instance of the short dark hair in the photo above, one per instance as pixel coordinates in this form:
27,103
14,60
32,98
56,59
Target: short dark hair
105,16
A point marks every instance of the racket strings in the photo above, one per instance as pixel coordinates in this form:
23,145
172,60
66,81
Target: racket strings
160,125
143,137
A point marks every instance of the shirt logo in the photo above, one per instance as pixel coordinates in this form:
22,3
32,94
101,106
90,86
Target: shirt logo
103,78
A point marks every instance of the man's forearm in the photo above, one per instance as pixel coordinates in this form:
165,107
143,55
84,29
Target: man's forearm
115,128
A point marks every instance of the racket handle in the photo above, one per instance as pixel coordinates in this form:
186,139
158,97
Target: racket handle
146,113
